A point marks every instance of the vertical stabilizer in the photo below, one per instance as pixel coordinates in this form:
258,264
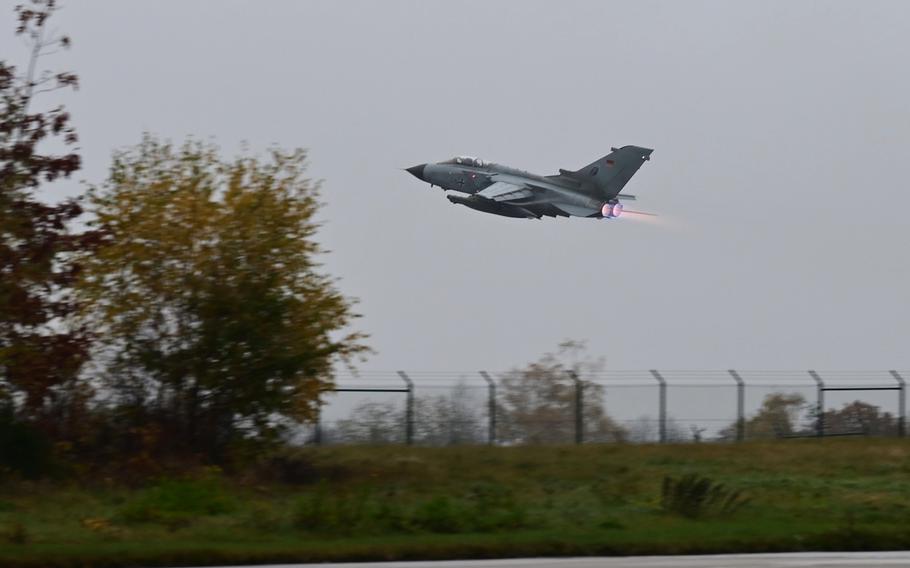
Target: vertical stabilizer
612,172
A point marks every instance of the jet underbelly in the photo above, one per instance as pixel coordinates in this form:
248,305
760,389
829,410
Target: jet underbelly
575,210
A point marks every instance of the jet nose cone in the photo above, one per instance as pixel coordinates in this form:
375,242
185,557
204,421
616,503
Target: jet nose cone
417,171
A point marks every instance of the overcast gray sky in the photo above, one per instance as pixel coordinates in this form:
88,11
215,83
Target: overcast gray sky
781,134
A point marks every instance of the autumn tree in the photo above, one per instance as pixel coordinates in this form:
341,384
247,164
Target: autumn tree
537,403
216,321
777,418
41,349
862,418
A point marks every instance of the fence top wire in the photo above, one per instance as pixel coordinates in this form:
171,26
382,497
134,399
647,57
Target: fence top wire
632,378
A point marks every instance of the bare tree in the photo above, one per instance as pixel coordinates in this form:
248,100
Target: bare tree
646,429
372,423
449,419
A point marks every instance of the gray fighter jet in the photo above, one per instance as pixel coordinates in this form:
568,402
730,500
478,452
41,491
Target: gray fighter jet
592,191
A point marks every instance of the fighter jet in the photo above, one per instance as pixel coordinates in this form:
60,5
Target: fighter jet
592,191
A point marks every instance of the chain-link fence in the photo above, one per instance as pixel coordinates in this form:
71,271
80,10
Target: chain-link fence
449,408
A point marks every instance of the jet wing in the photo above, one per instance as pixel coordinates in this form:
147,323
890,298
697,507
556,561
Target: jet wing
505,191
537,198
520,196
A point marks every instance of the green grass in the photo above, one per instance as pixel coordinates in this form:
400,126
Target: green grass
359,503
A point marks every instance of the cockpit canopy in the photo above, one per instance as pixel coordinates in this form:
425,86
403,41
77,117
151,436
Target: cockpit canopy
466,161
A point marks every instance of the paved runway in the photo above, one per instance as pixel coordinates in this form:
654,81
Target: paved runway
801,560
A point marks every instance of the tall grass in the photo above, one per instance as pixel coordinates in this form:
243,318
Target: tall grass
694,496
359,503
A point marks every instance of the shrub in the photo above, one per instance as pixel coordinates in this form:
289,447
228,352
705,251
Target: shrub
694,496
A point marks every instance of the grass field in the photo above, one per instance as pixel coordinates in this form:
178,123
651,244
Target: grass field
358,503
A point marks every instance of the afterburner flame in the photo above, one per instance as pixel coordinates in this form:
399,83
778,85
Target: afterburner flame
642,217
611,210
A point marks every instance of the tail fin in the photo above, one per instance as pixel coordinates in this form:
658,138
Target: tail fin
612,172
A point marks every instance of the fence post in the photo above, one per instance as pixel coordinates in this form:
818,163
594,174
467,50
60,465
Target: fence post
409,409
820,404
740,405
491,390
579,408
901,404
662,406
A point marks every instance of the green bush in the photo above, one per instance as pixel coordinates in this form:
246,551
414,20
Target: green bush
694,496
176,502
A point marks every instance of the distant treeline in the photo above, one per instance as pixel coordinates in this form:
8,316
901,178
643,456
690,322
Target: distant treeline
536,405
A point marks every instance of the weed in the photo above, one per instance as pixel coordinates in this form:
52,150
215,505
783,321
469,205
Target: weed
102,527
694,496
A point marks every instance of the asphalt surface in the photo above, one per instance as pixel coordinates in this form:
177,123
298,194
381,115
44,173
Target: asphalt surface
801,560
